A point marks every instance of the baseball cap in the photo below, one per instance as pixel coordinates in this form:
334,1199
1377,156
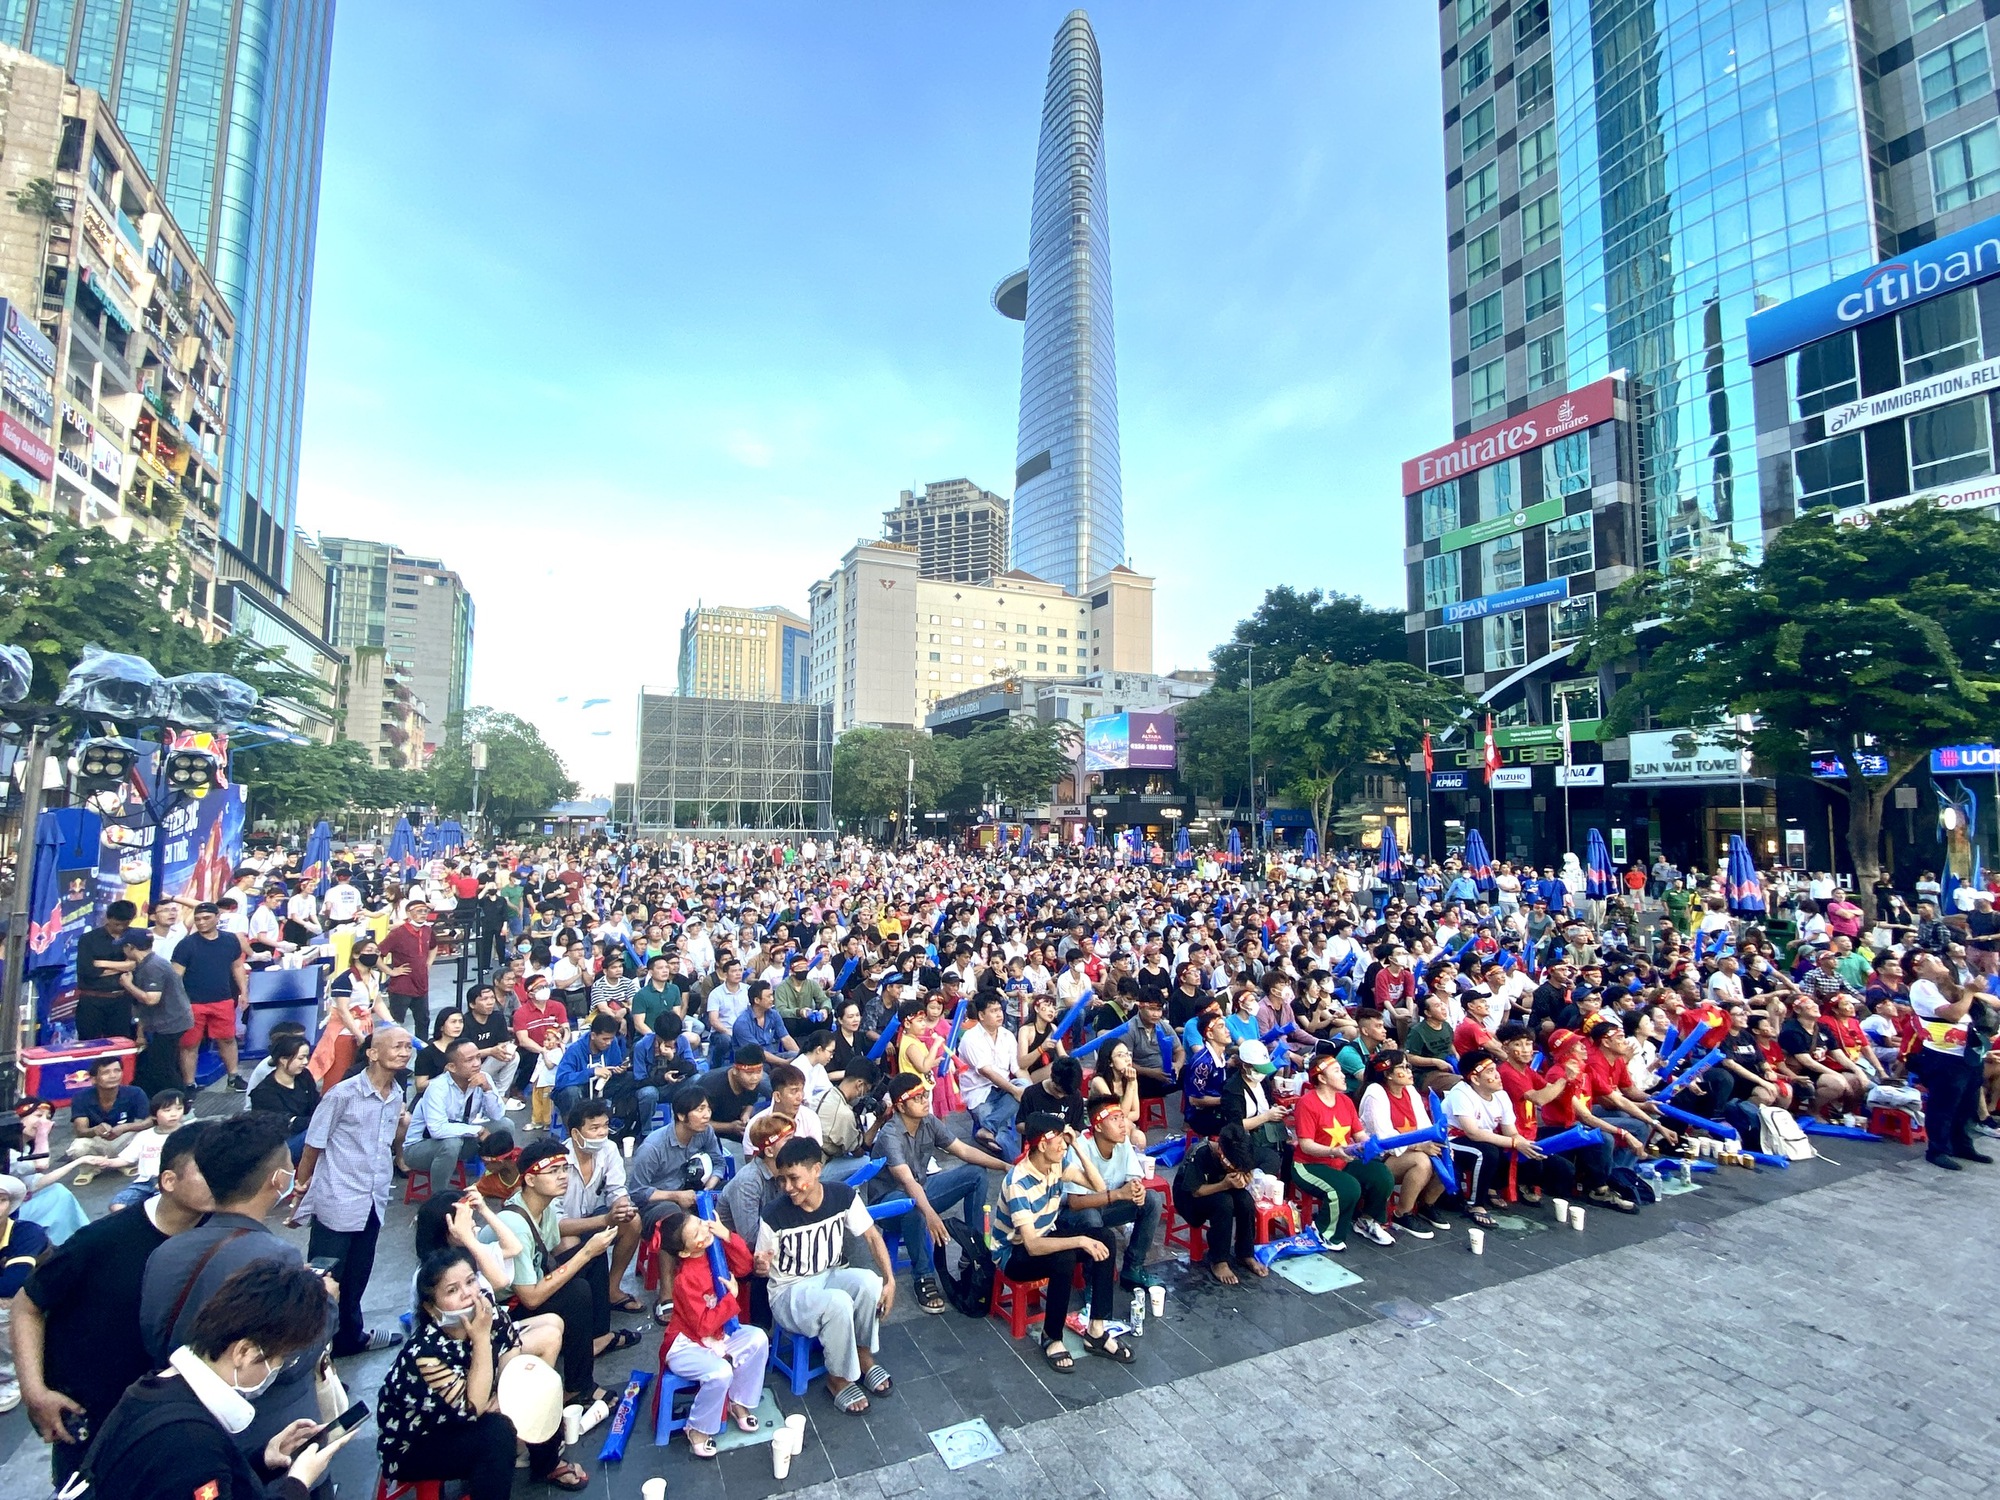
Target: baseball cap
1256,1056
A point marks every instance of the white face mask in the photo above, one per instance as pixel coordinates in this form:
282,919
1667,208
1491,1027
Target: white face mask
456,1317
252,1392
593,1147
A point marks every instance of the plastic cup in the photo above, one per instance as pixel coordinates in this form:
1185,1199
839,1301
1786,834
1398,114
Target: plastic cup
628,1148
781,1459
1157,1295
572,1426
1476,1237
1576,1218
795,1431
653,1489
1562,1210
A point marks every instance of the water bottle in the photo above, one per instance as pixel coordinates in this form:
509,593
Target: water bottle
1138,1312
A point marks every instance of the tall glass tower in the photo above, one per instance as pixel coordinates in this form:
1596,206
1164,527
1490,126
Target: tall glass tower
225,102
1069,513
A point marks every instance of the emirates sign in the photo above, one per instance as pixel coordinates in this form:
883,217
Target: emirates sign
1532,429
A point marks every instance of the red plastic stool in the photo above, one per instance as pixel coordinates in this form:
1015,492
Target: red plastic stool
412,1195
1279,1217
649,1260
1178,1234
1152,1112
407,1489
1019,1302
1896,1125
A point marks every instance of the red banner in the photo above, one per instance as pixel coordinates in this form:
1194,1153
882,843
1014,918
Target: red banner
1534,427
28,450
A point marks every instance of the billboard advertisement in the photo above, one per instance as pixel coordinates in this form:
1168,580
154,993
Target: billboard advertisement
1533,428
1129,742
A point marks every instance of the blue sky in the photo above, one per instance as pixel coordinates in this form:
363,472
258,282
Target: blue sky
646,303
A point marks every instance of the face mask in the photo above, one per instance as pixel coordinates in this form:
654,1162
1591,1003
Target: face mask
457,1317
367,960
592,1147
252,1392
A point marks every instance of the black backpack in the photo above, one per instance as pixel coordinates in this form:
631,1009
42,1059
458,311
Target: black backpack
967,1270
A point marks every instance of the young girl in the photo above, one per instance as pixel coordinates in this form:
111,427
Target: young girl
726,1363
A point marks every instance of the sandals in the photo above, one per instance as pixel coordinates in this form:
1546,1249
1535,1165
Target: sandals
624,1338
1058,1357
1480,1217
851,1399
930,1297
701,1444
877,1380
1105,1349
630,1304
568,1476
744,1417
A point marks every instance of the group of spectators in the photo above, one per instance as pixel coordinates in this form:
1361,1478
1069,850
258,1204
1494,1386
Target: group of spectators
767,1071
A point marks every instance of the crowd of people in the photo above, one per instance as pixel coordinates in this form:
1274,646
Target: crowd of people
771,1073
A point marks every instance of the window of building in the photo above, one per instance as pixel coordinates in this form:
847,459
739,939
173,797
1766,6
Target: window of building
1020,630
1939,335
1823,375
1041,630
1542,291
1531,24
1582,696
1475,65
1950,442
1929,12
1571,546
1441,581
936,657
957,660
1566,466
1954,74
1483,322
1488,387
1438,507
957,620
958,640
1545,360
1482,191
1444,650
1475,129
1537,154
934,619
1571,618
1061,634
1831,473
1499,490
1471,13
1541,222
1506,641
1482,255
1966,167
1502,563
1534,86
1042,648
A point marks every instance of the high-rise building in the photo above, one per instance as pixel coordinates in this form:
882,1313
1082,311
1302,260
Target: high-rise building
761,655
224,102
1068,522
417,611
958,529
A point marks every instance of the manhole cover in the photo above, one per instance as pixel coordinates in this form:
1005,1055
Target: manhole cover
966,1443
1689,1227
1410,1314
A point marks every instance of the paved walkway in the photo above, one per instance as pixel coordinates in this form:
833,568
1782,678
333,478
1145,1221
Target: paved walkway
1834,1342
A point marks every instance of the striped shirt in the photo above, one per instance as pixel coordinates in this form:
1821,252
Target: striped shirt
1030,1201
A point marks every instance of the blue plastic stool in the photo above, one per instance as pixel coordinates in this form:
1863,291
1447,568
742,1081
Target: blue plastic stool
888,1217
665,1389
793,1353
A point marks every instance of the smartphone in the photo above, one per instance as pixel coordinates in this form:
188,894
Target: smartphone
341,1425
326,1265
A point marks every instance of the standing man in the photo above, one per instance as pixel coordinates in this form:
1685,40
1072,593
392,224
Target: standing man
346,1171
407,952
102,1006
162,999
343,899
453,1115
215,972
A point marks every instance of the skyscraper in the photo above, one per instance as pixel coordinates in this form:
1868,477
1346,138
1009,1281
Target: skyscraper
958,529
1068,524
224,101
416,610
761,655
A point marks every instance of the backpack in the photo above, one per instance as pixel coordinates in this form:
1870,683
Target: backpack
1630,1184
966,1269
1782,1135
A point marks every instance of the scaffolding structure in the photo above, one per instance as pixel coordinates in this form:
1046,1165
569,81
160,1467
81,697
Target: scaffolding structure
733,768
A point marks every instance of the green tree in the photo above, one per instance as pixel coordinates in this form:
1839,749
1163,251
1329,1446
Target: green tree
304,782
1887,631
523,778
1325,627
1020,763
871,772
1212,745
1320,723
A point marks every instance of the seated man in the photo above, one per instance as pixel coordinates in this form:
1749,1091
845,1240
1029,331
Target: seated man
453,1115
993,1086
1483,1132
732,1093
849,1114
761,1026
1125,1198
597,1197
802,1248
917,1147
1159,1071
680,1159
108,1110
1031,1202
1060,1094
598,1063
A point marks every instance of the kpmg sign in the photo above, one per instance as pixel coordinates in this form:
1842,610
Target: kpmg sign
1917,276
1533,428
1506,601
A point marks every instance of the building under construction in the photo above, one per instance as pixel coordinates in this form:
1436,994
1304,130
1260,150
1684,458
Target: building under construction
728,767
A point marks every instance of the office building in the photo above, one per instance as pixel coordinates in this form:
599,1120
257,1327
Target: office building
1628,184
731,767
223,102
761,655
418,612
1068,521
862,616
958,529
380,710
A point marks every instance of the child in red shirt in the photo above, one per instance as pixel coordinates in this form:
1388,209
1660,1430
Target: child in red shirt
705,1340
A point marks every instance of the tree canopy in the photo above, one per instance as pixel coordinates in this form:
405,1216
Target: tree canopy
1290,624
523,778
1883,636
871,771
1017,763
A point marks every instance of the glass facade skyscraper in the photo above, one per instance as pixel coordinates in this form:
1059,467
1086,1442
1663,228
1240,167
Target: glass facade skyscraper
225,103
1068,522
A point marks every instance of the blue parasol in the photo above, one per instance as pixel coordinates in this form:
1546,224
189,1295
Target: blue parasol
1235,849
1742,886
1090,835
1598,879
1478,863
451,835
403,845
1392,856
1027,843
1183,858
1310,846
318,869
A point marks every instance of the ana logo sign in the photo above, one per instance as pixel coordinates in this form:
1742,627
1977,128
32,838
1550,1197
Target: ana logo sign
1965,760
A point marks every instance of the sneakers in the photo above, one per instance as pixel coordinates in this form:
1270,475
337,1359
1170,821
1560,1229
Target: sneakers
1372,1232
1429,1219
1415,1227
235,1084
1139,1280
514,1104
1338,1247
1612,1198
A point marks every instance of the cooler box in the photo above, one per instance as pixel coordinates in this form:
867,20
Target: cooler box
59,1074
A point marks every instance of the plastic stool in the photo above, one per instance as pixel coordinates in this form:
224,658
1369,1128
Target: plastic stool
1152,1112
412,1195
1019,1302
649,1259
1896,1125
668,1386
1179,1234
1281,1216
792,1354
407,1489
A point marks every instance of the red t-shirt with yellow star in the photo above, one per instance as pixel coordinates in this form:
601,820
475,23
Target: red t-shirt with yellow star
1335,1124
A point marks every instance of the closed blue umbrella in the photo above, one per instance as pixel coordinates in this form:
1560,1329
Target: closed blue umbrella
1311,845
1135,840
1598,879
1235,849
318,870
427,842
1741,885
1183,857
1392,856
1027,843
1478,863
1090,835
403,845
451,835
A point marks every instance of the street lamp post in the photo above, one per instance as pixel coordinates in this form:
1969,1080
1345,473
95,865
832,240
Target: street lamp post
19,915
1250,708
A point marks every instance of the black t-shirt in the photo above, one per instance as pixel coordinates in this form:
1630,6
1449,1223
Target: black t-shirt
93,948
88,1291
1549,1000
1794,1039
490,1032
1204,1165
1183,1007
430,1062
846,1053
1741,1049
1036,1099
727,1106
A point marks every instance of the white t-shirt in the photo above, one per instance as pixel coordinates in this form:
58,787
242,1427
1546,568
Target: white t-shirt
1463,1106
1948,1037
342,902
977,1050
